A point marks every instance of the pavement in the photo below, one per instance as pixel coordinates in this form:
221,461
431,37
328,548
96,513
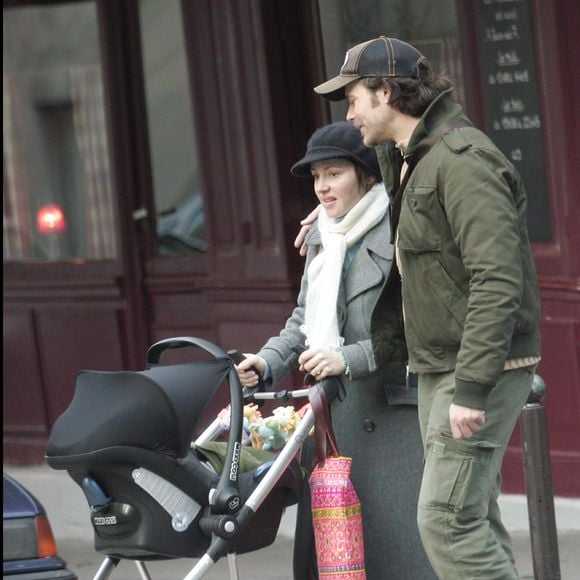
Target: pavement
69,516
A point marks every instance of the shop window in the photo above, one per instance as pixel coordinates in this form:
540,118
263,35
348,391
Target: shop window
57,185
430,26
173,148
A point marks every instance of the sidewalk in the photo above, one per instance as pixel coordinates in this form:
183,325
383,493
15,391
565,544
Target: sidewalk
68,514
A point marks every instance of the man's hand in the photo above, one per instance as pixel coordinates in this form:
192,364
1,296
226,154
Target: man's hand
465,421
306,223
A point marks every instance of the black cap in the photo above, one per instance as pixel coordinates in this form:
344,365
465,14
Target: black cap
340,139
382,57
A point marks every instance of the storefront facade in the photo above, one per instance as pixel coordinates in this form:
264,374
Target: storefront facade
147,194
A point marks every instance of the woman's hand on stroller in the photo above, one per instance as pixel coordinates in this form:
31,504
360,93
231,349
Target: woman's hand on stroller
247,369
322,363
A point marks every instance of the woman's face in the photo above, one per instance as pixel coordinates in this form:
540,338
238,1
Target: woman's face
336,185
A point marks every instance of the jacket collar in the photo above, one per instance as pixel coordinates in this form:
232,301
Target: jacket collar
313,237
377,239
442,109
364,271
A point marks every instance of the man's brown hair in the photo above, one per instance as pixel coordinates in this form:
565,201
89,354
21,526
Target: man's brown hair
412,96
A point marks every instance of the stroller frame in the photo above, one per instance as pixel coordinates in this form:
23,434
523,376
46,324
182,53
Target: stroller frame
228,516
252,504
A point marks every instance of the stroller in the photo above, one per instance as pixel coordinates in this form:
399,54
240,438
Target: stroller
125,439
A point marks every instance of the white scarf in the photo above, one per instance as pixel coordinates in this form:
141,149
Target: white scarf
325,270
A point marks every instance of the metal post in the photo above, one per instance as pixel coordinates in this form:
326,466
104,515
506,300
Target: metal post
538,477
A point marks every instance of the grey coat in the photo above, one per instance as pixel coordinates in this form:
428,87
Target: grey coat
375,422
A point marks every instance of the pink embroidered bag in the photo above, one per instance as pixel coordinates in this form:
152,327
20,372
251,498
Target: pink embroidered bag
336,509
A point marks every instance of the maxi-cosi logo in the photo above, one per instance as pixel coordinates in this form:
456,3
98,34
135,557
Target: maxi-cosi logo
235,462
105,520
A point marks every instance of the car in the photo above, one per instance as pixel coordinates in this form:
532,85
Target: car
30,551
181,230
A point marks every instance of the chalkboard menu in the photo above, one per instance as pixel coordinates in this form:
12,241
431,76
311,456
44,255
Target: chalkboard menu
510,94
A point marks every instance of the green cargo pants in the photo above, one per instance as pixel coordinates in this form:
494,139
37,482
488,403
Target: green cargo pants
458,516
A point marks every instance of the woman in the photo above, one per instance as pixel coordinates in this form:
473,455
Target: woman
348,261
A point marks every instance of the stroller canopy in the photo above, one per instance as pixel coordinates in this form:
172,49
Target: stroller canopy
156,409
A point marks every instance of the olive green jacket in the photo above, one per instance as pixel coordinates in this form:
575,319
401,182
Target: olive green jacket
469,287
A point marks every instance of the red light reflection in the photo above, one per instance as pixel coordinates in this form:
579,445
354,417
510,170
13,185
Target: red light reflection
50,219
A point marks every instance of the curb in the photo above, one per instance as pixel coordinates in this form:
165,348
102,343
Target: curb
68,510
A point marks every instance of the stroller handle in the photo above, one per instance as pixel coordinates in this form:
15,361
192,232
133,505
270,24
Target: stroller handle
225,499
156,350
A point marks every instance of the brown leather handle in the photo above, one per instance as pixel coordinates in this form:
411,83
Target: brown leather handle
323,431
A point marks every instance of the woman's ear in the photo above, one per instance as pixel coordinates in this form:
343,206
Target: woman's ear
369,182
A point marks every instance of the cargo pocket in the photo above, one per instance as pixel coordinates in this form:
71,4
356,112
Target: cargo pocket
457,476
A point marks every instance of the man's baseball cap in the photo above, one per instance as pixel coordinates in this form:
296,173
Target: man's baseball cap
382,57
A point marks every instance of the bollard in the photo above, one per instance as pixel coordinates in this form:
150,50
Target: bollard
538,479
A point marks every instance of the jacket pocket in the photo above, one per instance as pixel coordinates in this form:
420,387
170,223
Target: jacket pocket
400,394
399,390
457,476
439,306
449,293
420,222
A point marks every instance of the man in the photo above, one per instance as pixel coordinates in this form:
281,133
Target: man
470,297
